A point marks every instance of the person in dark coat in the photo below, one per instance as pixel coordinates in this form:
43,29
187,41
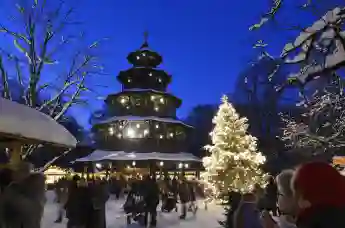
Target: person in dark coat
247,215
174,190
22,201
151,198
78,206
183,192
270,199
99,195
319,192
5,178
61,192
192,197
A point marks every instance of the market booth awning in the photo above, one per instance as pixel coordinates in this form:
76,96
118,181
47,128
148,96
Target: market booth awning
101,155
22,123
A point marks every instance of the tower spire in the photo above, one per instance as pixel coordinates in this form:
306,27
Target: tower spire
145,44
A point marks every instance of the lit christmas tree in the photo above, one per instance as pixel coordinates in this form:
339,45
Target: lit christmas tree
234,162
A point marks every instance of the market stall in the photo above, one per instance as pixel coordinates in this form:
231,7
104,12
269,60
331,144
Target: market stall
22,126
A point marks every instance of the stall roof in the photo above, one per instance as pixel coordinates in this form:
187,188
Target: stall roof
22,122
101,155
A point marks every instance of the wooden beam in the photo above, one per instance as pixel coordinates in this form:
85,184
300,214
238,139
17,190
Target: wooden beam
15,154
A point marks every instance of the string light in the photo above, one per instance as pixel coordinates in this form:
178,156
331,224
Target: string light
150,74
161,100
138,125
159,80
161,136
134,163
161,163
130,133
234,161
157,126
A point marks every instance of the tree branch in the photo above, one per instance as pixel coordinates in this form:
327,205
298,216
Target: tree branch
6,93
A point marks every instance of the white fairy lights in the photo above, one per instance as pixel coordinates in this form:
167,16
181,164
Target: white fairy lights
138,129
158,101
130,133
234,162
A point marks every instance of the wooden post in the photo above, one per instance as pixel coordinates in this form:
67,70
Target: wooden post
86,172
15,154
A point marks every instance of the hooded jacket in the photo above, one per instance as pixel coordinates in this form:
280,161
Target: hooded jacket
324,188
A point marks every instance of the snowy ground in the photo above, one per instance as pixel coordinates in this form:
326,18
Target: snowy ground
115,218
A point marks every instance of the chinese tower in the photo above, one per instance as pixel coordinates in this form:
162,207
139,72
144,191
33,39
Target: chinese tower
143,113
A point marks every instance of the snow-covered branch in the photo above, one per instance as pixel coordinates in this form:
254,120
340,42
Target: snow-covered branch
53,62
322,126
41,39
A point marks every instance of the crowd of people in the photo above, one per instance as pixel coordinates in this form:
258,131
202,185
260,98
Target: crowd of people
83,201
311,196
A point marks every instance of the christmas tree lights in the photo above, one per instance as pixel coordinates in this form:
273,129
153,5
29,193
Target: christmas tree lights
234,162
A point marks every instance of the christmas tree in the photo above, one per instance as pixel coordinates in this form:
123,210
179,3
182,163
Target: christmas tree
234,162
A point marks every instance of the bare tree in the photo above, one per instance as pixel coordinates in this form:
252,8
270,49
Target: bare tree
52,60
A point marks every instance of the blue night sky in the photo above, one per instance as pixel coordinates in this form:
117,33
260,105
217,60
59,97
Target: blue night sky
204,44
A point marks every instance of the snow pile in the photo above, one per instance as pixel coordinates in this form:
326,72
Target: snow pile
142,118
100,155
21,121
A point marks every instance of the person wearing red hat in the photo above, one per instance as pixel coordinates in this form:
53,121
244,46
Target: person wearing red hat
319,190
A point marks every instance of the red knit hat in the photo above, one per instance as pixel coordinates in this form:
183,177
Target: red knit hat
320,184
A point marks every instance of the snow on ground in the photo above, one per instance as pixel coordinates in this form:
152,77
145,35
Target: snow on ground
115,219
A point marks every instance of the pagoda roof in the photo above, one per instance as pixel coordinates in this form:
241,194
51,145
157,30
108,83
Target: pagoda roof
103,155
143,118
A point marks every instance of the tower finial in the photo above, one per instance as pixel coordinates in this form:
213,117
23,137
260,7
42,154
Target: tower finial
145,44
146,36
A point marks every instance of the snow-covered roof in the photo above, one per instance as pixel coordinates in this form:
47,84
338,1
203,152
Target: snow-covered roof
142,118
145,90
101,155
21,121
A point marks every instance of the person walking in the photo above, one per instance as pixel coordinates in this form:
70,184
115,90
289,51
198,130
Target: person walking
151,199
61,192
183,192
